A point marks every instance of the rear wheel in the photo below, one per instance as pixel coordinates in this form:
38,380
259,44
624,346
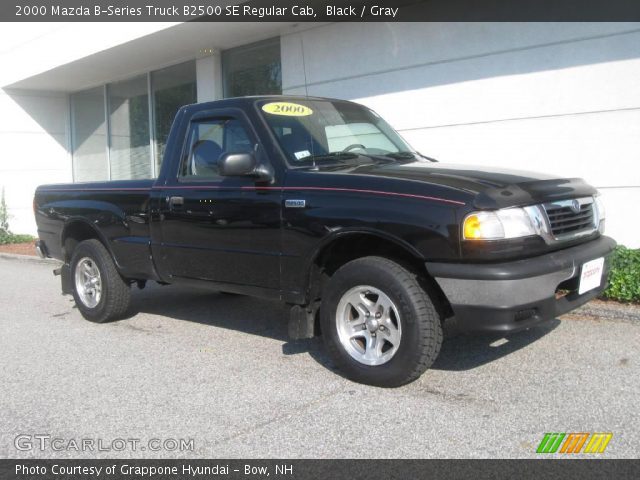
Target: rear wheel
379,325
100,292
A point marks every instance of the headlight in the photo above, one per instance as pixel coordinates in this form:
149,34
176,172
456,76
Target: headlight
600,212
497,225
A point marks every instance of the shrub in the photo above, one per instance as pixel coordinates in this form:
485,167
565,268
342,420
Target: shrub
4,216
6,236
624,276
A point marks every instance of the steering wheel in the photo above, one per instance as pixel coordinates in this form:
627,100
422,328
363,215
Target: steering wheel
354,146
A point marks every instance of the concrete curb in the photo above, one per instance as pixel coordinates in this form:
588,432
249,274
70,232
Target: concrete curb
28,258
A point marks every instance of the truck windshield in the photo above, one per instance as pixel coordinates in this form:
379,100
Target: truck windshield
320,132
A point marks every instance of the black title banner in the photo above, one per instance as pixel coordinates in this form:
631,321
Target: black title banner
317,10
316,469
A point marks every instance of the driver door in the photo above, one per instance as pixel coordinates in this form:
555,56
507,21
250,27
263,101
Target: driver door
214,228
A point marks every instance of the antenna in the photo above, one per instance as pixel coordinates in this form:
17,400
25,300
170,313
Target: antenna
306,93
304,66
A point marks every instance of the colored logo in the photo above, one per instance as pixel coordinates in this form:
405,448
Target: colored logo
574,442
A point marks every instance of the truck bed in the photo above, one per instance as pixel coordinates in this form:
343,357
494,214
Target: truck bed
118,211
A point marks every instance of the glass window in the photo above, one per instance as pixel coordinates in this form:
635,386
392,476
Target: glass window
208,141
253,69
340,137
89,136
172,87
333,132
129,153
128,124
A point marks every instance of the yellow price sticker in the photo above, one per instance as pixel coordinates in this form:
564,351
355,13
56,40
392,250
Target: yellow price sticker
287,109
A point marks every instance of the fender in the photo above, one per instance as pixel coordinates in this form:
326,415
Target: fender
65,270
70,222
341,234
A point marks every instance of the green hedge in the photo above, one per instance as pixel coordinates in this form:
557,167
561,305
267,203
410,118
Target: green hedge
7,238
624,277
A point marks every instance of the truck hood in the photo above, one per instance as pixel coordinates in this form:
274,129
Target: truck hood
490,187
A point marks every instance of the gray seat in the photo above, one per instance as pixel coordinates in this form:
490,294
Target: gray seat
204,158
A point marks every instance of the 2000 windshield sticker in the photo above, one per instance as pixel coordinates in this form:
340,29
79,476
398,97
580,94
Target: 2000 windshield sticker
287,109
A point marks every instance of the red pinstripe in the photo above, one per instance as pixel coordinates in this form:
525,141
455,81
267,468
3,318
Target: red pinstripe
218,187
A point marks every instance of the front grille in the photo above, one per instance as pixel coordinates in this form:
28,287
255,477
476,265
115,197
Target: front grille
569,218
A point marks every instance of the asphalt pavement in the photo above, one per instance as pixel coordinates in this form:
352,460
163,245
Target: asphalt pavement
211,375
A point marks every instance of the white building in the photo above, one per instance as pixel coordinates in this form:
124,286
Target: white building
94,101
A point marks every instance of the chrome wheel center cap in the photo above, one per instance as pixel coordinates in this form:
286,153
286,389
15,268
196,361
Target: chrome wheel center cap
372,324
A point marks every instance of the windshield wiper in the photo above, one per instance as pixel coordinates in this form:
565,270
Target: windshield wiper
401,155
407,155
325,158
426,158
339,154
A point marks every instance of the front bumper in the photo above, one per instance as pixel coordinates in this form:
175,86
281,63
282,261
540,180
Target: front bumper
512,296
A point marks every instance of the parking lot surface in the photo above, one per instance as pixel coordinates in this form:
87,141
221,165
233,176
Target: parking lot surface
219,370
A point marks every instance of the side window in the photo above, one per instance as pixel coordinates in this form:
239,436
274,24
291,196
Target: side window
208,140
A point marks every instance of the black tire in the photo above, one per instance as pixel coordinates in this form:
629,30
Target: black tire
115,294
421,334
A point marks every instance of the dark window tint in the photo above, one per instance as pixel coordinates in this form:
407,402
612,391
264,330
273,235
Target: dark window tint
207,141
254,69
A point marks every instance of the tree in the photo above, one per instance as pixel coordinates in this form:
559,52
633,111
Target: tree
4,216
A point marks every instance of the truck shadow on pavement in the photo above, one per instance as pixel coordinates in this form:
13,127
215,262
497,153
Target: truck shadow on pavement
465,352
269,319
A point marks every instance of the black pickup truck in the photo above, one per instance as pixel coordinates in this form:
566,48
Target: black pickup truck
321,204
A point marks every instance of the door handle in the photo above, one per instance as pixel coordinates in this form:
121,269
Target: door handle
176,202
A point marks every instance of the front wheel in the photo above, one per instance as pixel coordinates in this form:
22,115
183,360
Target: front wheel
98,289
379,325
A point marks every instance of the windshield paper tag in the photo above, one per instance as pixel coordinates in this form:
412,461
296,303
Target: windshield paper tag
287,109
302,154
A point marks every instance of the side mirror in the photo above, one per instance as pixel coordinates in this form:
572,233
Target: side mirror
237,164
244,164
